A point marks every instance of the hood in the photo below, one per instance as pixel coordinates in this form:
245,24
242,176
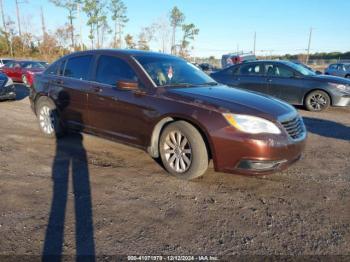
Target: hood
228,99
331,79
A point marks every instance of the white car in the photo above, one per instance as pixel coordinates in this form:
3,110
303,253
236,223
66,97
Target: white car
3,61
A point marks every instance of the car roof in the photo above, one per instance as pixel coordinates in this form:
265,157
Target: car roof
124,52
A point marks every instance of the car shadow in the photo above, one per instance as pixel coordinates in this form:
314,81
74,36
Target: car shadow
70,160
21,91
327,128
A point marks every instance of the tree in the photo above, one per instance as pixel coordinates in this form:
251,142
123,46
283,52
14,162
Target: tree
145,37
4,31
129,41
189,33
162,33
97,18
71,7
176,19
118,10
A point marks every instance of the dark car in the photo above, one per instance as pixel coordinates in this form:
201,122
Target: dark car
21,71
208,68
288,81
169,108
7,88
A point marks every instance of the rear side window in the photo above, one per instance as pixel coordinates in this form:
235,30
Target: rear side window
111,69
78,67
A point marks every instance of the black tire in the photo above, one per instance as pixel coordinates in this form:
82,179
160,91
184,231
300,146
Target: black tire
347,76
45,110
198,155
317,101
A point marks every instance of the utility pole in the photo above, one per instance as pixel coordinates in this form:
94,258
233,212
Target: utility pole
18,18
254,43
308,48
43,27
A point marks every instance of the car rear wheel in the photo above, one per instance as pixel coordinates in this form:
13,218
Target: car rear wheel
317,101
183,151
347,76
48,117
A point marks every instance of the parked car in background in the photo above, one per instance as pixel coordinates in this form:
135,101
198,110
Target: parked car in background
4,61
7,88
208,68
234,58
21,71
340,69
288,81
171,109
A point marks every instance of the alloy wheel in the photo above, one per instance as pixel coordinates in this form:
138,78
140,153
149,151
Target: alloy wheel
318,102
47,120
178,152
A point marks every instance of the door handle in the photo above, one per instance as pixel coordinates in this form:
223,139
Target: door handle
97,89
58,82
269,80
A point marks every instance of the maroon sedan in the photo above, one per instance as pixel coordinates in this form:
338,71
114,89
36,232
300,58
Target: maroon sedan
169,108
23,71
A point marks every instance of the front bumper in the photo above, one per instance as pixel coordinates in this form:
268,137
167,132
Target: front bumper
343,100
254,155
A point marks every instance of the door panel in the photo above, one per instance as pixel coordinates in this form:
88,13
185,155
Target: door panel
251,77
71,99
115,112
283,83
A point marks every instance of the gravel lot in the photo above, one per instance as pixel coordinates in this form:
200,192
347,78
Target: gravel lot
106,198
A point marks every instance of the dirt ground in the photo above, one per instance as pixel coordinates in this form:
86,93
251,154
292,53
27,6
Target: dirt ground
87,195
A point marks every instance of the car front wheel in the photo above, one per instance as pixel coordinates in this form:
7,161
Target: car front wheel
317,101
183,151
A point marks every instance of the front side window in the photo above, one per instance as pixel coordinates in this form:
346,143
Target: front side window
78,67
172,71
278,71
251,70
52,70
111,69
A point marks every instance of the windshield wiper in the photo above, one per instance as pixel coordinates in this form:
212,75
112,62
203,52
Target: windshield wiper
178,85
189,84
209,84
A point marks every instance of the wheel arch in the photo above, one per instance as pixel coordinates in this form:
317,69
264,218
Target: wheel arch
318,89
153,148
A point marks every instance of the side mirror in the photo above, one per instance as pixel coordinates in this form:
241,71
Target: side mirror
127,85
318,72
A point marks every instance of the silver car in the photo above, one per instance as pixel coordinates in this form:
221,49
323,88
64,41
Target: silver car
340,69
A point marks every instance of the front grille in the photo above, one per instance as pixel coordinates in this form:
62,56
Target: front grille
294,127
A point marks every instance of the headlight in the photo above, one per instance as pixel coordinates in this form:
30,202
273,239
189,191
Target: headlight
251,124
9,82
340,87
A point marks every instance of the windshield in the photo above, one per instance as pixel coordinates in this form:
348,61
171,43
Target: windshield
172,71
301,69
